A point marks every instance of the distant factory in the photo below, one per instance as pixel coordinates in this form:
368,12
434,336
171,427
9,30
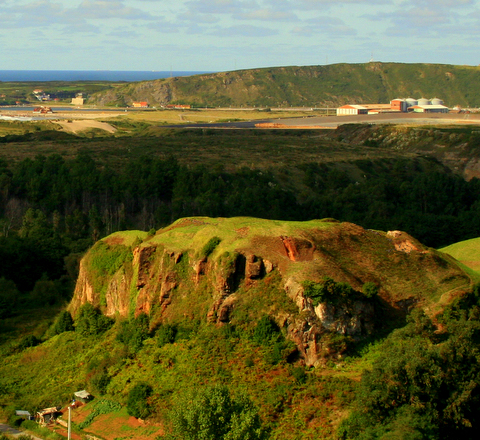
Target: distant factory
421,105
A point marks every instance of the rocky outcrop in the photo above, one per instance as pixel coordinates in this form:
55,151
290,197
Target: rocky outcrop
167,277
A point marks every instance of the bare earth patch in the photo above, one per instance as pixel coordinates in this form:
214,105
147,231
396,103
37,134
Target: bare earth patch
78,125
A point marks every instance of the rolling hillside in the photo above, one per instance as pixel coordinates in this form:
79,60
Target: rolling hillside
320,86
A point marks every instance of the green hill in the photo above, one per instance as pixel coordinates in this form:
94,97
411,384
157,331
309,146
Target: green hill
467,252
310,86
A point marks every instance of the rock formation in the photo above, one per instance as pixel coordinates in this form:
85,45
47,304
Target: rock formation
168,276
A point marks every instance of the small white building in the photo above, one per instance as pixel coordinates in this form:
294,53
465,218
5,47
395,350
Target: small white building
78,100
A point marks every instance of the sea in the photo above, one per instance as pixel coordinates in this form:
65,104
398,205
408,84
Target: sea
90,75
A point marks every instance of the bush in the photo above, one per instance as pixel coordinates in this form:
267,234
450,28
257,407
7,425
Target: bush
213,414
166,334
133,332
45,291
64,323
210,246
100,381
328,291
91,322
423,380
370,290
266,331
137,404
299,375
8,297
28,341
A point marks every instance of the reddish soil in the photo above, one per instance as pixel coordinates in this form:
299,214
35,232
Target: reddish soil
110,428
114,240
60,430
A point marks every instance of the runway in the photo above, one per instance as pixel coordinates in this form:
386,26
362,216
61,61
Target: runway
332,122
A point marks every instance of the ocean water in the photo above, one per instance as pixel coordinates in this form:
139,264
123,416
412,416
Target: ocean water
89,75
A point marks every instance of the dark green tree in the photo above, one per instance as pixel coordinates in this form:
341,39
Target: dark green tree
8,297
213,414
64,323
137,403
90,321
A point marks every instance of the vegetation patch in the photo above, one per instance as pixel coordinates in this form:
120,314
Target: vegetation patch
332,292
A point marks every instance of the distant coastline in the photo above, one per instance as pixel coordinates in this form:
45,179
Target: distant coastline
88,75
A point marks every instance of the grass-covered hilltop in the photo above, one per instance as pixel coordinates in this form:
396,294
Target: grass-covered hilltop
322,86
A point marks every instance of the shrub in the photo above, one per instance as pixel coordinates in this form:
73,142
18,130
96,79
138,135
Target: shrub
137,403
100,381
333,292
91,322
266,331
64,323
166,334
370,290
133,332
328,291
45,291
210,246
213,414
8,297
28,341
299,375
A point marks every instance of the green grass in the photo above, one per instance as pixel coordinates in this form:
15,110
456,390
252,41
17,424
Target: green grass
467,252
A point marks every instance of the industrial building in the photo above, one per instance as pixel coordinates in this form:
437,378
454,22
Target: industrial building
403,105
429,108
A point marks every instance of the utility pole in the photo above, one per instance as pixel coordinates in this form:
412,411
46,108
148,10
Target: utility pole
69,422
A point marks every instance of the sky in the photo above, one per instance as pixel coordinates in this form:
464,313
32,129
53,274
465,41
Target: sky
222,35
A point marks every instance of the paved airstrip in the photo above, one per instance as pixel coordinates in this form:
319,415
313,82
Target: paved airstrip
332,122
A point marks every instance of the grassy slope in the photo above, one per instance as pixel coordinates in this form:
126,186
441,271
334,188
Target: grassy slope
309,86
467,252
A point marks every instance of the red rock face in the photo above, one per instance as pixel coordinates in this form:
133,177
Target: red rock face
298,249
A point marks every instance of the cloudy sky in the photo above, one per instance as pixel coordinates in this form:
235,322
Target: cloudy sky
218,35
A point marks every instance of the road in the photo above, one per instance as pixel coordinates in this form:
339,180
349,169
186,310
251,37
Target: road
5,429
